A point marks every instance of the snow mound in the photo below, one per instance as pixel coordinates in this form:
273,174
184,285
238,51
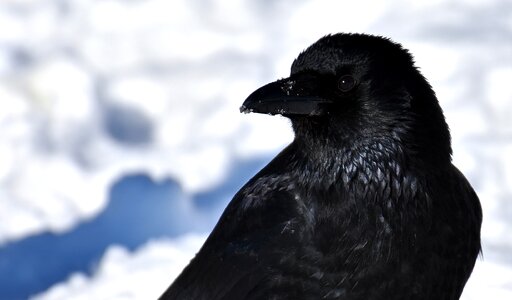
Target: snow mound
121,275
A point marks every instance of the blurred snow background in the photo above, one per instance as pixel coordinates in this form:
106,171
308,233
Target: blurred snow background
121,141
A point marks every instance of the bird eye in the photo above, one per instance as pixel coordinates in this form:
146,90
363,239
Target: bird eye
346,83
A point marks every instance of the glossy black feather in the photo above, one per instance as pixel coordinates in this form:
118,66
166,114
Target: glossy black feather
363,204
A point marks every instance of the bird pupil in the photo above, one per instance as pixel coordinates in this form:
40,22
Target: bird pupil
346,83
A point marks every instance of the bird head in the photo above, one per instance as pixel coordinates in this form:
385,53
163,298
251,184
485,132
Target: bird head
352,87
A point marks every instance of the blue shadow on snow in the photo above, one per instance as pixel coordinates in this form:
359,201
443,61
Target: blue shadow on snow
139,209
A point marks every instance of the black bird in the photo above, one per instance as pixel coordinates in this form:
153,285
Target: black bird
363,204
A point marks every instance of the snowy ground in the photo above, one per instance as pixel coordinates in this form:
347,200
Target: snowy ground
93,90
120,275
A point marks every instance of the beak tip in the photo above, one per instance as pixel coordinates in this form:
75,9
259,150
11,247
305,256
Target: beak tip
245,110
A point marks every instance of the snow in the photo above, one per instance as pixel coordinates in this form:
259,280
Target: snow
489,281
93,90
121,275
90,97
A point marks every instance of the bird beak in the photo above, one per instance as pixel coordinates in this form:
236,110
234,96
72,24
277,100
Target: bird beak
286,97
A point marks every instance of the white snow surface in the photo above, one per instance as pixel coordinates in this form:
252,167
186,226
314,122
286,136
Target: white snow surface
72,71
121,275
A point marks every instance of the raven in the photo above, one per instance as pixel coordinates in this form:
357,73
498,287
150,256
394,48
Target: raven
365,203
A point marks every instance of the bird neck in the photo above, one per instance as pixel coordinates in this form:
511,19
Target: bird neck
331,149
364,159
